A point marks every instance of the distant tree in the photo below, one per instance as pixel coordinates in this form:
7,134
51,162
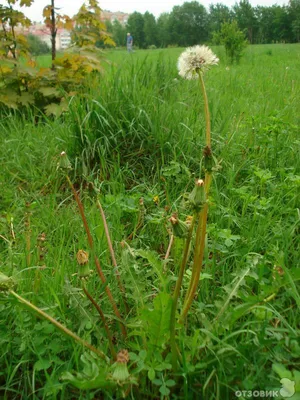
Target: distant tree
37,46
163,30
294,16
218,14
282,24
150,29
135,26
245,16
273,24
119,33
188,24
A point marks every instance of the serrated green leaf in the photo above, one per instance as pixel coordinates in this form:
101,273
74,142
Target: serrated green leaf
54,109
42,365
93,376
157,321
49,91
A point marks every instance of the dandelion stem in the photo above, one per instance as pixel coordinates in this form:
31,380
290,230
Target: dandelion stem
176,294
202,221
28,239
102,316
206,110
58,325
169,247
198,262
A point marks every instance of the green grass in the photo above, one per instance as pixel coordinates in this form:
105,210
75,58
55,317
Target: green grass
139,132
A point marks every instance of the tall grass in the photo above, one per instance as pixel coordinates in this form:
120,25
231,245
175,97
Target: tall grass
139,132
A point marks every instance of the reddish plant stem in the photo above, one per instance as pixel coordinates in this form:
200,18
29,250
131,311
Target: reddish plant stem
97,262
102,316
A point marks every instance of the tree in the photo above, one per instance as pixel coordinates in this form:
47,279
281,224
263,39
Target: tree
294,15
188,24
119,33
218,14
233,39
273,24
163,30
150,29
53,20
245,16
23,84
36,46
11,42
135,26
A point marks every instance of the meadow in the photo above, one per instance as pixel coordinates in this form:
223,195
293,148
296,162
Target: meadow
138,132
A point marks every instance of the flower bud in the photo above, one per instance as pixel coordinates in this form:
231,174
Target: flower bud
180,228
6,283
83,260
121,373
64,162
197,197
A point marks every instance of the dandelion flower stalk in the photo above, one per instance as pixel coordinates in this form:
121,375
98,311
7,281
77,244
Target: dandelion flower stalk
192,64
174,349
102,316
97,262
84,272
65,165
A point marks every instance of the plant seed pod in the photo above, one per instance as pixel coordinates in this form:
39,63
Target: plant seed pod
83,260
180,228
121,372
197,197
6,283
64,162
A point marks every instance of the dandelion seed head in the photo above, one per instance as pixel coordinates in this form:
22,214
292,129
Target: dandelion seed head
194,60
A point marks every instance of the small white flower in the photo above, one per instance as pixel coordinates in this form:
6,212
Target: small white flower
194,60
227,68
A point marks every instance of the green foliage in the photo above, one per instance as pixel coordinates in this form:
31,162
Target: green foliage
135,26
36,46
233,39
93,375
89,27
118,32
24,84
188,24
150,29
156,322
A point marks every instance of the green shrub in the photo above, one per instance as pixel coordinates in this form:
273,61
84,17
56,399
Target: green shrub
36,46
233,39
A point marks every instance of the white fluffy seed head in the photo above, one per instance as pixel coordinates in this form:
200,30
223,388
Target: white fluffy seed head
194,60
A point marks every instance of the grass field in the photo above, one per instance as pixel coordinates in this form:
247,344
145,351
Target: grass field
139,133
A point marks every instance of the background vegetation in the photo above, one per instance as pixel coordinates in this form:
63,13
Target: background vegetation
191,23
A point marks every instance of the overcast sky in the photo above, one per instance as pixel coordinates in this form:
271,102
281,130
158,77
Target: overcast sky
156,7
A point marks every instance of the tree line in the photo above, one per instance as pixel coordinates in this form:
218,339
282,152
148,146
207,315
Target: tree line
191,23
